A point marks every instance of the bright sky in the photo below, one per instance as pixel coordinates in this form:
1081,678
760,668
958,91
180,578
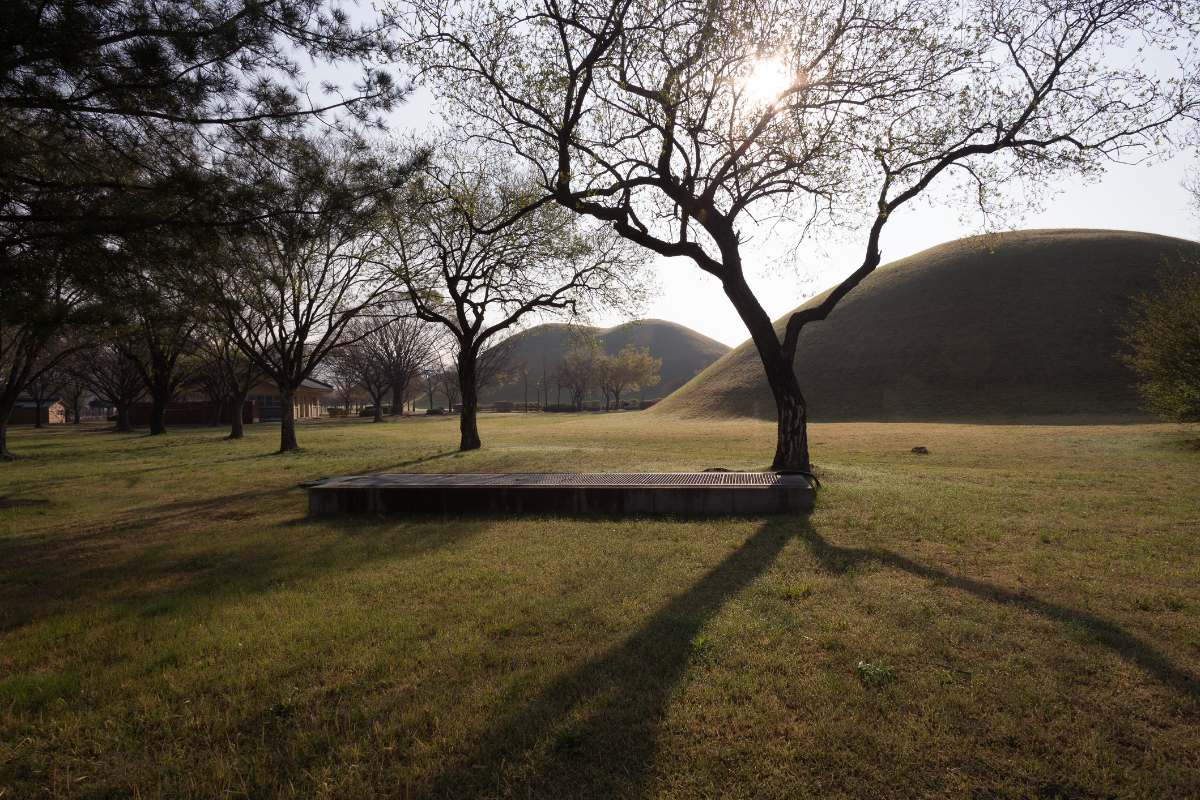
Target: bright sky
1136,198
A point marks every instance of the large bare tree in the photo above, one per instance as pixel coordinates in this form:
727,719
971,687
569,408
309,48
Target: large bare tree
288,286
682,123
477,278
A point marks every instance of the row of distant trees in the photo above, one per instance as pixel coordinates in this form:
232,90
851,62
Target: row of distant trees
586,369
368,374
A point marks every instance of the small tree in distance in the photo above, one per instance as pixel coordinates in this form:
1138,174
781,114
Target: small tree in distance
471,267
577,372
633,369
113,378
1164,332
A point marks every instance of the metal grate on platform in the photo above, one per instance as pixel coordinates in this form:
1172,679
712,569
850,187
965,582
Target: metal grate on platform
648,479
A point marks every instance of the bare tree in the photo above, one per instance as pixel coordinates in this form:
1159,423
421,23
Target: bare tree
478,283
606,373
43,320
451,387
231,374
42,390
112,378
162,347
212,379
521,368
288,286
346,390
577,372
71,387
431,381
398,343
681,123
364,361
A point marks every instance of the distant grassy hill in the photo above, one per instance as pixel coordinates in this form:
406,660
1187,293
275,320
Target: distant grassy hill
683,351
985,327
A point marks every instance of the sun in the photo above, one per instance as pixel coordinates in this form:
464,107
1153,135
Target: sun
767,81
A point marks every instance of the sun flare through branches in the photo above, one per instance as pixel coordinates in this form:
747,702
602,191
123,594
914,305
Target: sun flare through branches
768,80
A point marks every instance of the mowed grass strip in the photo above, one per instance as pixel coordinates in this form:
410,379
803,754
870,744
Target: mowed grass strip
1012,615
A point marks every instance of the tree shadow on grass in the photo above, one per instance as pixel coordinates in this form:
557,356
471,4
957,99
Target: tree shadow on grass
1129,647
593,732
117,561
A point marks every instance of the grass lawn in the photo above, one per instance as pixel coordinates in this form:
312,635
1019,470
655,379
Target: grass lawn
1013,615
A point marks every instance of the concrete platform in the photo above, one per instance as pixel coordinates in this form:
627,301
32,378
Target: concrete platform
719,493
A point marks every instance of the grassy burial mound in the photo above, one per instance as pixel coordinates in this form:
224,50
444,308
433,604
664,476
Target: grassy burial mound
683,351
985,327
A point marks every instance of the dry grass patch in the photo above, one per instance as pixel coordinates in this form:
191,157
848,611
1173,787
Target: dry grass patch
1012,615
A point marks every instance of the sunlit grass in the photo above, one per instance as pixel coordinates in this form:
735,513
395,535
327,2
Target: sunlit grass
1011,615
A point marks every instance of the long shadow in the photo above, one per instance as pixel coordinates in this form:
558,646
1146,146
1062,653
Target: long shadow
41,573
1138,652
413,462
593,732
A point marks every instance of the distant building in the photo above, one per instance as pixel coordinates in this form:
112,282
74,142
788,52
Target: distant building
266,399
52,412
306,405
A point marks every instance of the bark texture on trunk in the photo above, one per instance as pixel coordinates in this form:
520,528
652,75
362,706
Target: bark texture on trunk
791,445
397,401
236,430
158,415
287,420
123,425
468,425
37,414
216,415
5,411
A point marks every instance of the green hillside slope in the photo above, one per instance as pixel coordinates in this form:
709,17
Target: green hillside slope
1020,324
683,351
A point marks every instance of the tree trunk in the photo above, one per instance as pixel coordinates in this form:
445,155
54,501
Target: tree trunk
397,401
158,415
6,407
123,425
287,420
37,413
216,415
791,442
378,407
468,424
236,427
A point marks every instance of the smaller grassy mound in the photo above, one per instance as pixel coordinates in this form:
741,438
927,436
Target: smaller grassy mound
683,351
1017,325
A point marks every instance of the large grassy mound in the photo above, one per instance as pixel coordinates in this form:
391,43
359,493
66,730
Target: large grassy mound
683,351
993,326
